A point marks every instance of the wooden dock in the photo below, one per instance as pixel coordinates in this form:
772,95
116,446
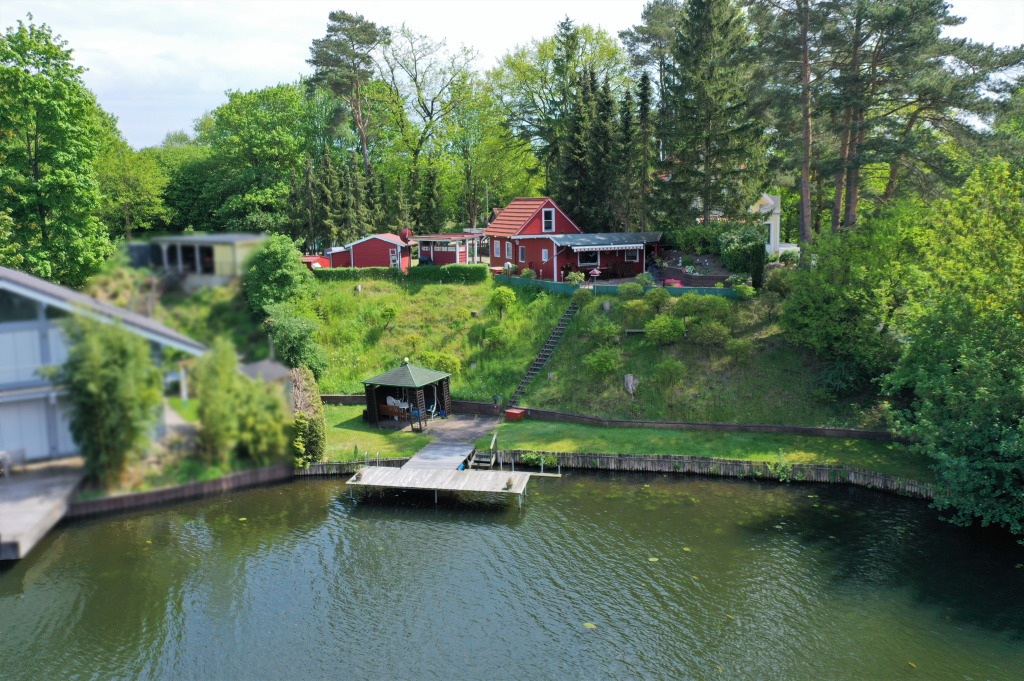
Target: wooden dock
441,467
32,502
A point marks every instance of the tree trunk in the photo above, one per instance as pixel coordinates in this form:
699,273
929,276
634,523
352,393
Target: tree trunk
357,109
890,187
805,166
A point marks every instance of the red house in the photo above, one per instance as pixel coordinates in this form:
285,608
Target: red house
377,250
536,234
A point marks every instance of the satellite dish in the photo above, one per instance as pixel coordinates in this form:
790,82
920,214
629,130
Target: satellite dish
405,234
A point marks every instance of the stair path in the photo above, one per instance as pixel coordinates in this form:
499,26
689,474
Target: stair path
545,353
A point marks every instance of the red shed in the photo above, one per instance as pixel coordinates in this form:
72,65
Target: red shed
537,234
315,261
377,250
451,248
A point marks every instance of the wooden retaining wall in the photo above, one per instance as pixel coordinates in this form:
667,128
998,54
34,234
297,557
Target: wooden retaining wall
329,468
732,468
193,490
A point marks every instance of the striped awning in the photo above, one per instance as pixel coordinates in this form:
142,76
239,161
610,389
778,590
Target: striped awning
616,247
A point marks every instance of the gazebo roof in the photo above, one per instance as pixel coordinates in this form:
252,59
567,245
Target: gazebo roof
408,376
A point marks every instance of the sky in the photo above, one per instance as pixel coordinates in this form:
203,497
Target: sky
160,64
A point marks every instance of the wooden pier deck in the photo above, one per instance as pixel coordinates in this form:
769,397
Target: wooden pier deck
437,467
442,480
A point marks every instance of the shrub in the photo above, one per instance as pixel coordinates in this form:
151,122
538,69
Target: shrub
740,349
636,313
602,361
789,257
664,330
441,361
735,244
386,314
527,273
630,291
275,274
777,281
645,279
699,238
293,333
309,443
770,304
602,330
668,373
745,292
575,278
703,307
582,296
709,333
422,274
658,299
757,263
501,298
673,283
113,393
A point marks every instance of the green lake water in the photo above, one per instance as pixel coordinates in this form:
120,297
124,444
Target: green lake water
752,581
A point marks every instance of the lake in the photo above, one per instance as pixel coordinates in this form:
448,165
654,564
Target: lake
598,576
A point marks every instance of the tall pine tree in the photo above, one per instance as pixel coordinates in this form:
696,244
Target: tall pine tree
714,157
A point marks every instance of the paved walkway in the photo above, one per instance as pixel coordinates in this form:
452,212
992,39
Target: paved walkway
462,428
33,501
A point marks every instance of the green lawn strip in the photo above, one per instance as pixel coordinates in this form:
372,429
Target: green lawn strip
882,457
346,431
189,412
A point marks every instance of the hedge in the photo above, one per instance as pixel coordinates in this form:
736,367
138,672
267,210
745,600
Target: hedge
423,274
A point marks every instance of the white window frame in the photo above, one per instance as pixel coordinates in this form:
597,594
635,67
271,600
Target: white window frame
543,255
579,259
632,256
546,224
508,250
522,253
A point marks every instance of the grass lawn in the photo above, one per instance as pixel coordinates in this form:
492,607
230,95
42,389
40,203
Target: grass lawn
189,412
346,431
764,380
873,455
432,318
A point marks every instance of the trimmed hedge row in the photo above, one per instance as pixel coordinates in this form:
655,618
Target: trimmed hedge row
423,274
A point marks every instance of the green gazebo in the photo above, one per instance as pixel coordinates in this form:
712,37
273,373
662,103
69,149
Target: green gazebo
408,392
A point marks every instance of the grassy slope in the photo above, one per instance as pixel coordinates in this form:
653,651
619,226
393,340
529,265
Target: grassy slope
431,318
775,384
212,312
882,457
346,431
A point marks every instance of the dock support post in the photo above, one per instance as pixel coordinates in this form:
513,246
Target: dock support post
435,497
520,501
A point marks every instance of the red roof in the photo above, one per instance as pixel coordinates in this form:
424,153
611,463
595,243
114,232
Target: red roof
515,216
386,236
450,236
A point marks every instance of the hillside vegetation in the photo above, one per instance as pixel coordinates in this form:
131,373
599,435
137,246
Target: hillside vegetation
703,358
433,325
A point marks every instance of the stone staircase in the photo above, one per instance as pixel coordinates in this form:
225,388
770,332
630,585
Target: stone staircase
545,353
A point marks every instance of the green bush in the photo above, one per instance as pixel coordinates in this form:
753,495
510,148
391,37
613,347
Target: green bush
645,279
293,333
778,281
668,373
423,274
275,274
658,299
636,313
113,393
603,330
575,278
309,440
527,273
744,292
664,329
502,298
602,361
703,307
789,257
740,349
438,360
699,238
709,333
735,244
630,291
582,296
